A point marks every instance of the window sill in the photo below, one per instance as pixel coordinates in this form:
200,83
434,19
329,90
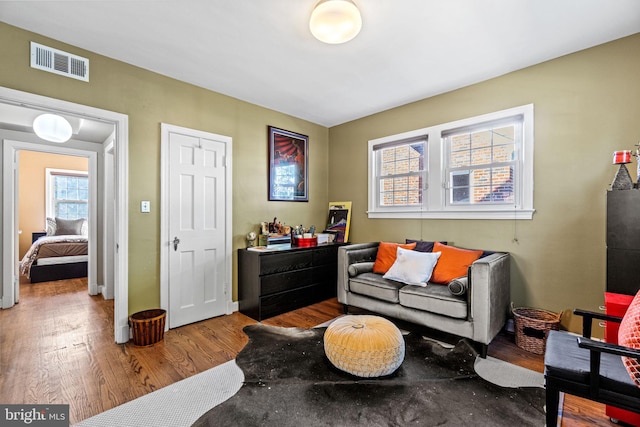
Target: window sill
450,214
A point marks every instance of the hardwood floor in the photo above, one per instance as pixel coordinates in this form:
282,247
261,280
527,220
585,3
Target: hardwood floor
57,346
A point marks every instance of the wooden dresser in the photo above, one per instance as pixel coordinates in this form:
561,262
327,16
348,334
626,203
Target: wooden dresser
274,282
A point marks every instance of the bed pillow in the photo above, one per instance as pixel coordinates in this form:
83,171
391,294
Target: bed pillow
51,226
453,262
629,336
412,267
66,227
386,255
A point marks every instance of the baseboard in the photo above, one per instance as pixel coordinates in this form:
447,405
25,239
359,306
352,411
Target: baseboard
232,307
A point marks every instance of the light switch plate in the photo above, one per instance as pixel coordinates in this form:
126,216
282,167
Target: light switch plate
145,206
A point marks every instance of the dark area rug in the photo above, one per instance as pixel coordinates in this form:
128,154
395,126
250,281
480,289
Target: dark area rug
290,382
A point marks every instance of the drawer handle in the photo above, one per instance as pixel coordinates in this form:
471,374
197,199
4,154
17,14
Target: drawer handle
601,324
602,308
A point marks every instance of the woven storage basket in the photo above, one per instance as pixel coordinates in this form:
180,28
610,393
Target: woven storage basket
532,326
147,326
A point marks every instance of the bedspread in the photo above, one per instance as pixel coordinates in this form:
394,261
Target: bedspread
53,246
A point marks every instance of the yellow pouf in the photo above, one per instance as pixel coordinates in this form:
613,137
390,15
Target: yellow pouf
365,346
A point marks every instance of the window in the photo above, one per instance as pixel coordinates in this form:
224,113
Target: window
481,163
401,173
67,194
481,167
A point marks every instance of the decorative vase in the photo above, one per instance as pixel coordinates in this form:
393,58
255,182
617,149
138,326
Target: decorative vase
622,180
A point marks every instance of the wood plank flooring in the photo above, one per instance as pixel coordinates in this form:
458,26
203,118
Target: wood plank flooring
57,346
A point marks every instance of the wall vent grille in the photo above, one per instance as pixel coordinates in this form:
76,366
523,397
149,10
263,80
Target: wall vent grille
59,62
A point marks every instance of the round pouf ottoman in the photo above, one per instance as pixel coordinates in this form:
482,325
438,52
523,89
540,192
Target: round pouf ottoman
365,346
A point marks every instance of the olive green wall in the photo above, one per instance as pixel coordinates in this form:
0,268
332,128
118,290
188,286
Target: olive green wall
586,105
150,99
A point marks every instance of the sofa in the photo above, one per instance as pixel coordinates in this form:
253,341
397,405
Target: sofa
473,306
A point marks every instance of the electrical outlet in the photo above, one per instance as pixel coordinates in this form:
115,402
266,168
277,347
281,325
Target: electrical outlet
145,206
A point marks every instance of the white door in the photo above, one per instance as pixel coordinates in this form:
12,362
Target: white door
196,222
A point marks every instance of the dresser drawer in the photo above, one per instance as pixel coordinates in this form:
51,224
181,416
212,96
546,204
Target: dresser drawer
280,282
280,262
285,281
326,255
286,301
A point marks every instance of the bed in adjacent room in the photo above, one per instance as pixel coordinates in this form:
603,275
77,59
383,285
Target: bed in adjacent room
59,253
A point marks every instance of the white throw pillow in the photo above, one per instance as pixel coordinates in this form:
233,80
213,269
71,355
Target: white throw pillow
412,267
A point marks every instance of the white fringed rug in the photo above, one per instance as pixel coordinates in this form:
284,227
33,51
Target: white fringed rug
179,404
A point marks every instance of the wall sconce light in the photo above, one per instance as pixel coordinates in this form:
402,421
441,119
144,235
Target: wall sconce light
52,127
335,21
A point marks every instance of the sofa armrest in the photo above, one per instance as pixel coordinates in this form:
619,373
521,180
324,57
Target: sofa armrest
352,254
490,295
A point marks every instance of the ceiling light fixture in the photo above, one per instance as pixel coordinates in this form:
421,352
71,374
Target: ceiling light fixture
335,21
52,127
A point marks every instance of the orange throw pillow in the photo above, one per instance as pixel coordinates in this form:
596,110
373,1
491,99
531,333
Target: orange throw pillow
453,262
629,336
387,255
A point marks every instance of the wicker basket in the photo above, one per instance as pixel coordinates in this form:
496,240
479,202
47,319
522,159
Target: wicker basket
532,326
147,326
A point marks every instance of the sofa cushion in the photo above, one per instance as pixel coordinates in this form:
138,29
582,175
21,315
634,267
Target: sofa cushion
435,299
386,255
629,336
453,262
412,267
375,286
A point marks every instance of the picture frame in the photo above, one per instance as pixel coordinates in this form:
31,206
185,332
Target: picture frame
288,165
339,221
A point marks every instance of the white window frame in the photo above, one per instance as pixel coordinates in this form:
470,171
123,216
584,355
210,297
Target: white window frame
50,173
434,198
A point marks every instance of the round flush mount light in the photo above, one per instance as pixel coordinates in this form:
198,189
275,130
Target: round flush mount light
335,21
52,127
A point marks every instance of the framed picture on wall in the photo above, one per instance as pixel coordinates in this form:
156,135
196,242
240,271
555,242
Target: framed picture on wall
288,166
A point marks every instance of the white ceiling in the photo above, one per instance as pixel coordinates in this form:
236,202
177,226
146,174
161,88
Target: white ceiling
262,51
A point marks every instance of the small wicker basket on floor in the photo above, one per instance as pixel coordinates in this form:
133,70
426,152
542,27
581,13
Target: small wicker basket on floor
532,326
147,326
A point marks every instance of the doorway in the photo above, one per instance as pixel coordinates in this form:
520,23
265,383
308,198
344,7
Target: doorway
119,125
35,162
196,225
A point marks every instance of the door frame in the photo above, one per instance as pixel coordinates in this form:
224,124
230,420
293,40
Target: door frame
121,189
165,238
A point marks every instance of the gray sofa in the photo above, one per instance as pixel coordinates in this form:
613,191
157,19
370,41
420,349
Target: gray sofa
478,314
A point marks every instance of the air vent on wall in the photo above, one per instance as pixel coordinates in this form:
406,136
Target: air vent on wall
59,62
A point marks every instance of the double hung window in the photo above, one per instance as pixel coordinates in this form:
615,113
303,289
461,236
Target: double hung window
67,194
402,173
481,167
